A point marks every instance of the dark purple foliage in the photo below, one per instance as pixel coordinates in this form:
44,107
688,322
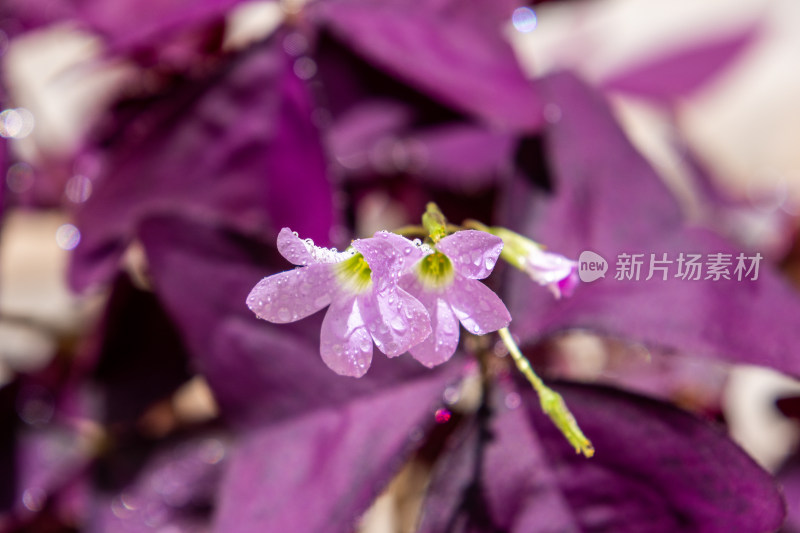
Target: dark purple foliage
510,471
680,73
609,200
208,147
325,468
461,57
414,101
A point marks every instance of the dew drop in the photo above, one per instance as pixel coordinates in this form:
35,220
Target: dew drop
364,344
407,250
283,314
490,262
398,324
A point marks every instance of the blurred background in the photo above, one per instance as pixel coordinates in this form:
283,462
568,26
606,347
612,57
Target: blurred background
701,89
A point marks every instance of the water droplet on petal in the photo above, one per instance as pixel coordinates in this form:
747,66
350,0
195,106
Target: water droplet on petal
283,314
398,324
490,262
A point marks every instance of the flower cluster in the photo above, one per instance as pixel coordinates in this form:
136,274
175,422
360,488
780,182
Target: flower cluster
399,295
387,290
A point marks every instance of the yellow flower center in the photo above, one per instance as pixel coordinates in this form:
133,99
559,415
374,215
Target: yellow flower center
354,273
435,270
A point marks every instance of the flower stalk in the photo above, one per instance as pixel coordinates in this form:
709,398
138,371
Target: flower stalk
552,403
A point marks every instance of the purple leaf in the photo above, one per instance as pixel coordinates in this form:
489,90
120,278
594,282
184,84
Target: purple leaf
609,200
125,24
378,138
320,472
172,486
461,156
239,145
657,469
353,137
47,458
789,478
39,457
138,344
460,60
682,72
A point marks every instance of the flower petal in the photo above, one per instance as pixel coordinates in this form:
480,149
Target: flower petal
345,343
473,253
440,345
554,271
293,249
479,309
396,320
388,255
290,296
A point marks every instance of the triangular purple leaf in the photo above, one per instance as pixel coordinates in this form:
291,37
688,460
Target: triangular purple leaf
239,145
609,200
321,471
657,469
169,486
682,72
459,59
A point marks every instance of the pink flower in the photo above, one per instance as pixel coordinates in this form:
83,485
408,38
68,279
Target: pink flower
360,287
444,278
554,271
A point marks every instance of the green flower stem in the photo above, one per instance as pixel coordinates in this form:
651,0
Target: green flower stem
552,403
